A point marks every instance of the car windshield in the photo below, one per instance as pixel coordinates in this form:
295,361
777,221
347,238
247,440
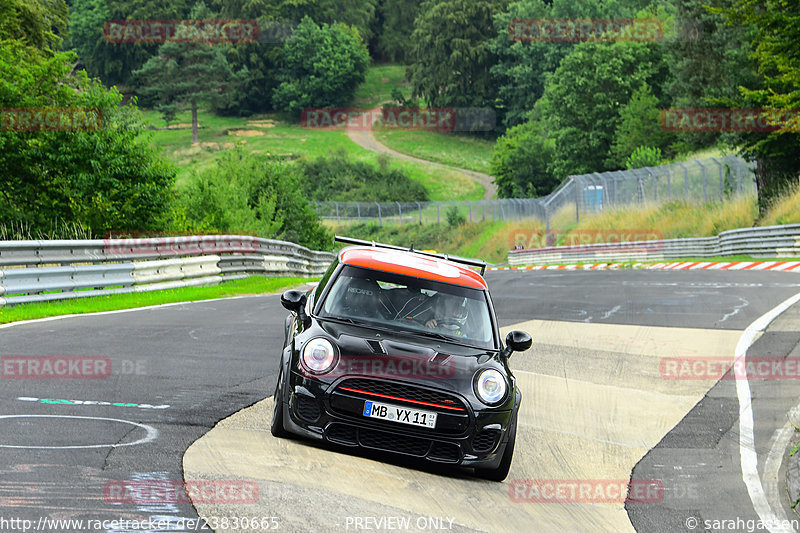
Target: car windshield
416,305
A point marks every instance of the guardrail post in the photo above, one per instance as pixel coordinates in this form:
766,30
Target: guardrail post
380,221
438,214
419,205
358,207
469,210
399,211
337,211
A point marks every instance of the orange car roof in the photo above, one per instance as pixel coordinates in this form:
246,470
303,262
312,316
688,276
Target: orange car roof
411,264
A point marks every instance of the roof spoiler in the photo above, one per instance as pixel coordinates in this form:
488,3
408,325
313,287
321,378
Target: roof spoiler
454,258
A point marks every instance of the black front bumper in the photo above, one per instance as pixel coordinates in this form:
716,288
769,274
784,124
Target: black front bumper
463,435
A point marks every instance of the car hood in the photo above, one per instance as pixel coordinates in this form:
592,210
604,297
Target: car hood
367,352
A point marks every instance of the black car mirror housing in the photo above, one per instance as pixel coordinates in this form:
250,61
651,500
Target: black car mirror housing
517,341
295,301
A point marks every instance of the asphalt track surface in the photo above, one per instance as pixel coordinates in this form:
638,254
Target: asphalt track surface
178,370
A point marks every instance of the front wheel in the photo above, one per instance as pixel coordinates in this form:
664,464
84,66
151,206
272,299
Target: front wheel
501,472
276,428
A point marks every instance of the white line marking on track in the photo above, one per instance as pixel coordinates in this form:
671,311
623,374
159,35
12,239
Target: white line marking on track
747,450
780,440
152,433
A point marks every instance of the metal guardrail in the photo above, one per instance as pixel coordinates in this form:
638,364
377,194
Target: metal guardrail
765,242
37,271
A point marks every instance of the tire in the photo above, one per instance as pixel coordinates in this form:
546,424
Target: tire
501,472
276,428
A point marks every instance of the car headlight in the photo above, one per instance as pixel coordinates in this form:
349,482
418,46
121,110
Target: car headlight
318,355
490,386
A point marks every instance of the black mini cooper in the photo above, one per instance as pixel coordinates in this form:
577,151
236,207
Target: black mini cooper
399,351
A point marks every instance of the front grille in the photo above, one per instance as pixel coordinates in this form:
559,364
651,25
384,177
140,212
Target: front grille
434,450
343,434
445,452
485,440
307,408
423,397
393,442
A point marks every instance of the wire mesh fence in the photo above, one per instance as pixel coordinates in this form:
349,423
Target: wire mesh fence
703,180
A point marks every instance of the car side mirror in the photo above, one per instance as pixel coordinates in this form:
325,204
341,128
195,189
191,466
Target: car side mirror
295,301
517,341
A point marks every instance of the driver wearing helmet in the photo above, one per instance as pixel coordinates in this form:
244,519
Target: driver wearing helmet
451,314
361,298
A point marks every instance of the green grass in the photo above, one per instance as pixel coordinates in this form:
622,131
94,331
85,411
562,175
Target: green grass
272,135
378,85
462,151
252,285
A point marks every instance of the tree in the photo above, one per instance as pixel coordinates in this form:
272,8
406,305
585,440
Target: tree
395,19
709,60
321,67
451,53
639,125
521,161
186,74
774,41
39,24
114,62
585,96
104,177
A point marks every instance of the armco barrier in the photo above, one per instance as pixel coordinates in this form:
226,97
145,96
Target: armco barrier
765,242
36,271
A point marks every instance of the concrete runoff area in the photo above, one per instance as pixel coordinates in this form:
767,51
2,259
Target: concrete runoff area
595,400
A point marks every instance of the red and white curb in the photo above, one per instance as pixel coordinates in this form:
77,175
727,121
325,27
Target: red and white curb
783,266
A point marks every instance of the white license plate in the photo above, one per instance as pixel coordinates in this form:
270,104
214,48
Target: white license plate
404,415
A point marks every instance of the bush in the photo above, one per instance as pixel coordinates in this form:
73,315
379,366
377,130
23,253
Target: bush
454,218
337,178
248,194
521,160
644,156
